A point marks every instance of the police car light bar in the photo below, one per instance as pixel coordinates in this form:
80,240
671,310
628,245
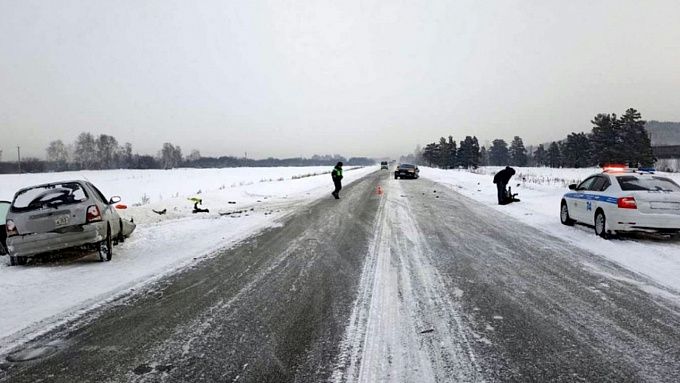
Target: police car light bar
615,168
619,168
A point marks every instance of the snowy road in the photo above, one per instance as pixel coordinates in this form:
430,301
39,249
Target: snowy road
419,284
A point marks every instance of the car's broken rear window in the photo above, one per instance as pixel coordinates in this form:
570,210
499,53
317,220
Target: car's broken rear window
48,196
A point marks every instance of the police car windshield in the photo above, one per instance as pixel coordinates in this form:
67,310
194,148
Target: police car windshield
633,183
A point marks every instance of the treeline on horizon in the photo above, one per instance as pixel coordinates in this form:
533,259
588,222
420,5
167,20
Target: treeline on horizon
90,152
612,140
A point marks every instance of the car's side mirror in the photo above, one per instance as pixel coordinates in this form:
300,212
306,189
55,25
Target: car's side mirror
572,187
114,199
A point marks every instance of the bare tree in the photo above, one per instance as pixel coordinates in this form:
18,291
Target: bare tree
85,153
57,152
125,157
107,151
195,155
170,156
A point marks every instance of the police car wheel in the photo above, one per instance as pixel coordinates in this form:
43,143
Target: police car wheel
601,224
564,215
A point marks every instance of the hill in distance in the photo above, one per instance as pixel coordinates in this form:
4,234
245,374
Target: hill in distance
664,133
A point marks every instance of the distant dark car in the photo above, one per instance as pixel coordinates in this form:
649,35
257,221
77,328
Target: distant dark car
4,208
406,171
383,165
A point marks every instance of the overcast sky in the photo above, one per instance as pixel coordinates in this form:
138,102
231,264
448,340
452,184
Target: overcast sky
287,78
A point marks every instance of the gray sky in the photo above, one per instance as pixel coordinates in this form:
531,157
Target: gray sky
286,78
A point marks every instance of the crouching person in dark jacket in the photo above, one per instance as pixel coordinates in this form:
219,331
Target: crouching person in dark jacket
501,180
336,174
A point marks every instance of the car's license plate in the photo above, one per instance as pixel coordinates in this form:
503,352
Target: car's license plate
61,221
665,205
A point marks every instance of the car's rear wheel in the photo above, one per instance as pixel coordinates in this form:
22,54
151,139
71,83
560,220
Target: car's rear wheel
601,224
396,177
106,246
17,261
564,215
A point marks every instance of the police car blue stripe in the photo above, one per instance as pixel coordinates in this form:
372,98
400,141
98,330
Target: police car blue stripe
592,197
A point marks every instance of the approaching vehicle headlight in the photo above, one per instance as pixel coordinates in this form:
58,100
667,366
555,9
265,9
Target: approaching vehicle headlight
11,228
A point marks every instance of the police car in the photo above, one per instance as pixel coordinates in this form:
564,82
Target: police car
624,200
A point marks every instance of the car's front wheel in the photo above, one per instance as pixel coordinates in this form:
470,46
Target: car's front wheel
564,215
106,246
601,224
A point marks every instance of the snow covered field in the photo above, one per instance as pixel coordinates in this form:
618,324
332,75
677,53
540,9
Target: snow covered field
37,297
169,189
540,191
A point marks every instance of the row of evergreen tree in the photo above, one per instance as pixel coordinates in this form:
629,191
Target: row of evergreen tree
613,139
447,154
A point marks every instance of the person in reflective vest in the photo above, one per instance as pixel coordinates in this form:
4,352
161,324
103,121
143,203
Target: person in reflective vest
336,174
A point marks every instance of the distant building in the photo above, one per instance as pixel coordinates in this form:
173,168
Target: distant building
666,151
668,157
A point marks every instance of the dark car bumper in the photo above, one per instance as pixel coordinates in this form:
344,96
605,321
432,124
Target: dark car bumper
406,175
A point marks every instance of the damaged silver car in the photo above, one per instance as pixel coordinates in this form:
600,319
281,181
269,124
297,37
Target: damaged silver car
63,215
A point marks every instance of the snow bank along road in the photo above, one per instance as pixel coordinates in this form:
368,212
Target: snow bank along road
412,285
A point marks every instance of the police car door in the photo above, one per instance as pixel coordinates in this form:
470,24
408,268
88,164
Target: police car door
577,202
595,198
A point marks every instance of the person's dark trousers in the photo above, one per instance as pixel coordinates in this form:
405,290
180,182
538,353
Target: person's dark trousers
338,187
501,193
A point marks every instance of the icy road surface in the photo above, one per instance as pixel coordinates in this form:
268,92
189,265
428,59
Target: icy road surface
419,284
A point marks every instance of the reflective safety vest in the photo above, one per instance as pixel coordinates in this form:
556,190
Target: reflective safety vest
337,172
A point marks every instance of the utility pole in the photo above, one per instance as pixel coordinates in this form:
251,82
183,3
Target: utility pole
19,157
